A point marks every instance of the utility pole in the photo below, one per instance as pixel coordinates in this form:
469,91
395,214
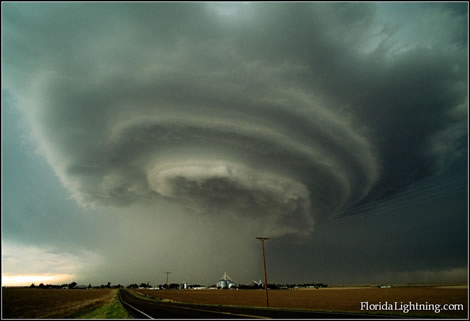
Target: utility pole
167,287
264,263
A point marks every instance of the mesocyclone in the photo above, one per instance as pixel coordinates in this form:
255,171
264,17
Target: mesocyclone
278,161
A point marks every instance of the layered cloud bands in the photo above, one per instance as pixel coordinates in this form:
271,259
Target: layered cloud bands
261,113
276,160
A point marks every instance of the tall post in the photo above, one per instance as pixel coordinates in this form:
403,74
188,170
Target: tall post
167,287
264,264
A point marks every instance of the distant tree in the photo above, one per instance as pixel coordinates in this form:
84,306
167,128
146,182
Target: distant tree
108,285
32,285
89,286
174,286
132,286
72,285
248,286
193,286
42,286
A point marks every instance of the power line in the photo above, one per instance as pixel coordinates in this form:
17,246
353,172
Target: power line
416,189
409,198
402,199
403,195
413,190
386,206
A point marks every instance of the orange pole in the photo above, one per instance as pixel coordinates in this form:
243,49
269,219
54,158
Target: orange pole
264,264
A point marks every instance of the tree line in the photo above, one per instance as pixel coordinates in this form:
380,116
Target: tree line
74,285
174,286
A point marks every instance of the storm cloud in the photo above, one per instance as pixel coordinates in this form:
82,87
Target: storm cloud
261,110
277,114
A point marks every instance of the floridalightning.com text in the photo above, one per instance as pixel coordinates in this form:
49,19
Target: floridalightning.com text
410,306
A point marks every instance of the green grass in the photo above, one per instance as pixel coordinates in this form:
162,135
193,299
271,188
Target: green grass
111,310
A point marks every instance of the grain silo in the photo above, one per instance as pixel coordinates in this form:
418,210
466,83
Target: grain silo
225,282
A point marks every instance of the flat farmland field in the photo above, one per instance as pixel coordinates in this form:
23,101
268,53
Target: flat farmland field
25,303
329,299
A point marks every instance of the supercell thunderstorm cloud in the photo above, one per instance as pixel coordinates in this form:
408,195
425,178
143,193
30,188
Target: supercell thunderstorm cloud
199,123
272,154
280,115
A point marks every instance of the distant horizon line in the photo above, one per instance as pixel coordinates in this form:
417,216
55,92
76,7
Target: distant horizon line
275,283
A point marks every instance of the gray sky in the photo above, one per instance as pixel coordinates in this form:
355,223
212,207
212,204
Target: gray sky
140,138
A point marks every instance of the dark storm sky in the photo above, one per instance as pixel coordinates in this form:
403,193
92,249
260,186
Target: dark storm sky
148,137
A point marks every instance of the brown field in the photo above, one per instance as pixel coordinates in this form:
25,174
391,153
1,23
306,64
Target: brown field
24,303
340,299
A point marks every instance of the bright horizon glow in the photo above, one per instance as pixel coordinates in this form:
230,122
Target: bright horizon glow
9,279
25,264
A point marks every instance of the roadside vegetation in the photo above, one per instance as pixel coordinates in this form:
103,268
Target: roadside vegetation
111,310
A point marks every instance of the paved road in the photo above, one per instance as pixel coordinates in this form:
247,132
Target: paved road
141,308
